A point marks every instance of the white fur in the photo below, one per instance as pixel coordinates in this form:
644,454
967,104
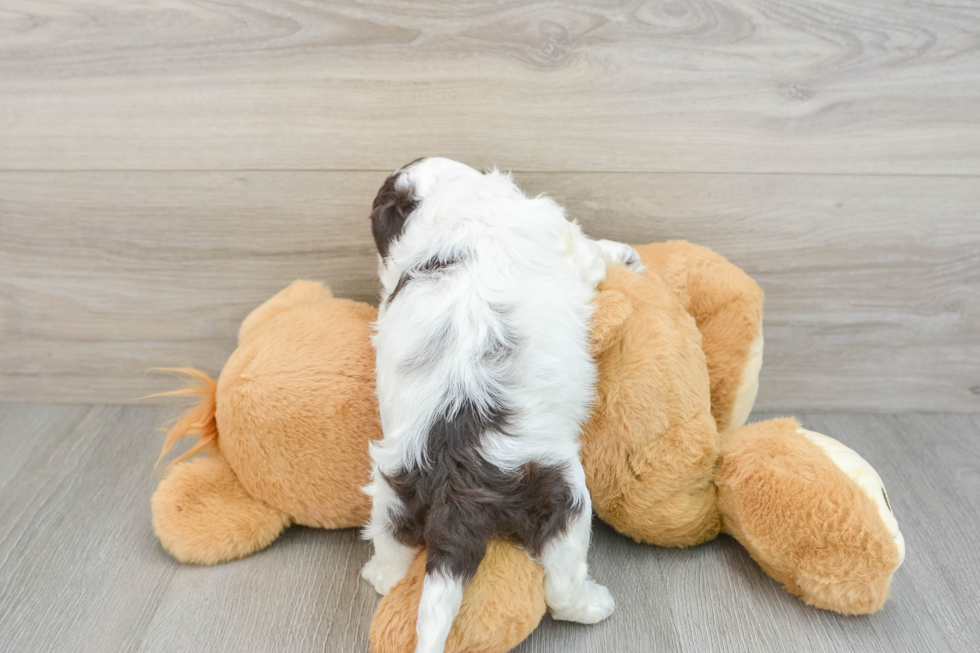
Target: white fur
391,560
520,254
569,593
438,607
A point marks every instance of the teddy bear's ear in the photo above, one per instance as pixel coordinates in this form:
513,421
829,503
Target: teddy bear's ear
611,310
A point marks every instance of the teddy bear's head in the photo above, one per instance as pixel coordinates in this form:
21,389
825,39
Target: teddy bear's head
296,406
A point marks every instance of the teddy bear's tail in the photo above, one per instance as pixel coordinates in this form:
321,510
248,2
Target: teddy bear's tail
198,421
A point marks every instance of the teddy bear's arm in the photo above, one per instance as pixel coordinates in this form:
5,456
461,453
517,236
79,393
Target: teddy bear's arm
726,305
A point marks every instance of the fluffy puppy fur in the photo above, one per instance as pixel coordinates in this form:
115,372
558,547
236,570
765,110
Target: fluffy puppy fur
484,379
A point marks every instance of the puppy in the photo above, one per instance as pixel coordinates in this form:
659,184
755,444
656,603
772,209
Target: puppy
484,379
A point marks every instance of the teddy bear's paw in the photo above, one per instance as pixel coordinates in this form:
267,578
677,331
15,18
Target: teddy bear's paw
861,472
383,575
593,604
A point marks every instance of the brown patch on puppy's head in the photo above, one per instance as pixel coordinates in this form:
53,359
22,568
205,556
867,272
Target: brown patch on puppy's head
392,205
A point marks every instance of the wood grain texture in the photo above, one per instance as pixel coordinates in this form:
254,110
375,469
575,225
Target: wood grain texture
304,593
27,427
873,283
933,461
601,85
80,569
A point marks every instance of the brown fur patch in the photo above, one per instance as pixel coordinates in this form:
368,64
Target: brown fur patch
389,211
459,501
428,268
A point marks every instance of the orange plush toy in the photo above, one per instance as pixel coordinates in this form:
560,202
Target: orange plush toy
668,459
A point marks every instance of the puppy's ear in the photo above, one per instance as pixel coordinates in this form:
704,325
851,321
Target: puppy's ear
390,210
611,310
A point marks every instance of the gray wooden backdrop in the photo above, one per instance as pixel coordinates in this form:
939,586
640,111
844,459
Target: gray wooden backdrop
166,165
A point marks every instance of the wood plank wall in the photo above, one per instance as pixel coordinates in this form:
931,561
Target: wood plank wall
166,165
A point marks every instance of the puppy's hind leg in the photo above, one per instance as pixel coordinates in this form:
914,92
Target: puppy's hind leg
391,558
570,593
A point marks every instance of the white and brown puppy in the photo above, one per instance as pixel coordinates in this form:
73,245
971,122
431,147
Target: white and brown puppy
484,379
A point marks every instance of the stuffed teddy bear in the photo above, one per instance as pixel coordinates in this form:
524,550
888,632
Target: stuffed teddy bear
666,454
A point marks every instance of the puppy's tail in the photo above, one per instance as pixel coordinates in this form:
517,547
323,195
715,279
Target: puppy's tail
442,594
455,550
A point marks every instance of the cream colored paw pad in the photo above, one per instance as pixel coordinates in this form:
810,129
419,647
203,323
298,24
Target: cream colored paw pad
748,386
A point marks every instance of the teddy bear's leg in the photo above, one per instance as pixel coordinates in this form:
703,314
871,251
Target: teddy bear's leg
202,514
812,513
501,606
726,305
861,472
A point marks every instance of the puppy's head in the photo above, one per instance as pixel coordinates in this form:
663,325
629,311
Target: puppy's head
403,192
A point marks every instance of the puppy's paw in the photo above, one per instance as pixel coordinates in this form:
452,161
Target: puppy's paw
382,575
632,260
593,604
621,254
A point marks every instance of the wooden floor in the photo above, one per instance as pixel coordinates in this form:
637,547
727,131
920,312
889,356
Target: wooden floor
80,568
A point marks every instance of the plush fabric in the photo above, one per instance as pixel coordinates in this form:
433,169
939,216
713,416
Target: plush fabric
297,407
286,428
203,515
726,304
502,604
809,525
651,446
